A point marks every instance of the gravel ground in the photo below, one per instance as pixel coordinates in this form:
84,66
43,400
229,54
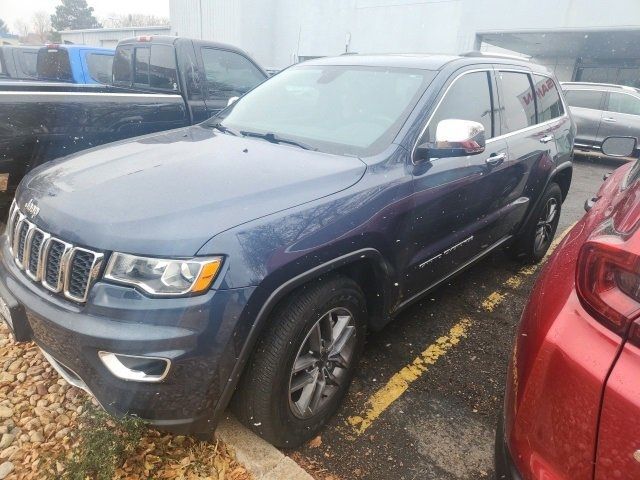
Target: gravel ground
39,418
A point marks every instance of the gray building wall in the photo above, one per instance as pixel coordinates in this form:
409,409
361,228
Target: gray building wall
109,37
277,32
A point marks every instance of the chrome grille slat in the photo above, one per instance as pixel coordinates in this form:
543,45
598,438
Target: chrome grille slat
14,235
58,265
84,266
36,246
56,259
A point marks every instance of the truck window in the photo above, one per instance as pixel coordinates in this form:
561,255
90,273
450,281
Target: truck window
28,62
548,98
100,66
468,98
122,65
141,68
54,64
228,74
163,72
517,102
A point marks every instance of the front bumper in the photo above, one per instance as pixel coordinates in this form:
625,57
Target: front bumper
201,336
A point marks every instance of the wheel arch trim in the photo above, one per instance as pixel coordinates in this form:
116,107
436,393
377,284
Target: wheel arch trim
280,293
550,178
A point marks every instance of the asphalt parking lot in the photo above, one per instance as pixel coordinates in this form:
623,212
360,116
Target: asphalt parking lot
429,389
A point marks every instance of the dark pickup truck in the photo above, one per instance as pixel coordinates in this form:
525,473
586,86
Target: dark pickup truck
159,83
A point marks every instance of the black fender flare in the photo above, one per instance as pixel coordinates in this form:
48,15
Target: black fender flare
534,208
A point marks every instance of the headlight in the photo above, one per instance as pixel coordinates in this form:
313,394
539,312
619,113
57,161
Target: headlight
161,276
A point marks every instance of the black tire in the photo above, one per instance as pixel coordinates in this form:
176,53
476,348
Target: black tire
264,401
528,247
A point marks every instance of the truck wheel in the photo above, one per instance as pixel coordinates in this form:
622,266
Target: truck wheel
304,362
536,239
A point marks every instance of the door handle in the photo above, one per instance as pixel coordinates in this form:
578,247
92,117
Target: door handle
609,119
546,139
496,159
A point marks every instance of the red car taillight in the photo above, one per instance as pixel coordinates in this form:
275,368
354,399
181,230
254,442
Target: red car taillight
608,282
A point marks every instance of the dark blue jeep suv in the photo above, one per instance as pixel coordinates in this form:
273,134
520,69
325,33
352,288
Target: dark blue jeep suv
247,256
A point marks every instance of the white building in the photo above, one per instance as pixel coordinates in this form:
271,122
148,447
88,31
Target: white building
109,37
595,40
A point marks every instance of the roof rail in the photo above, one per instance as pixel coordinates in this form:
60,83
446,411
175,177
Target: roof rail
599,84
476,53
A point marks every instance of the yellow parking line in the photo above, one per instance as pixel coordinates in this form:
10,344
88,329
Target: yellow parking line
400,381
492,301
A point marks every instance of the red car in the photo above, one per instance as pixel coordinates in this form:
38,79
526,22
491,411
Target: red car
572,405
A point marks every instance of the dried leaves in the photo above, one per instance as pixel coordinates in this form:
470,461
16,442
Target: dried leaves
43,419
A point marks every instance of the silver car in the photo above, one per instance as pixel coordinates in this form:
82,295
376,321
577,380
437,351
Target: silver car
602,110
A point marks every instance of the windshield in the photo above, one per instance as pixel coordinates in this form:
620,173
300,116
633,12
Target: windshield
337,109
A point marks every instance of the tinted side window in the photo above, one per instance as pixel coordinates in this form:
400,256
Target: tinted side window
623,103
141,69
29,63
584,98
549,102
518,106
99,66
228,74
122,65
163,71
469,98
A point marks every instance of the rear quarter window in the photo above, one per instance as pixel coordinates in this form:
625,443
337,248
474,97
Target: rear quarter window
548,98
146,66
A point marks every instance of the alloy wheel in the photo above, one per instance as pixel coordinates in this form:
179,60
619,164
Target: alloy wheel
322,362
545,226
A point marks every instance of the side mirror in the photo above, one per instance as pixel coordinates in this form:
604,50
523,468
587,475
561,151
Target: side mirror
232,100
454,138
619,146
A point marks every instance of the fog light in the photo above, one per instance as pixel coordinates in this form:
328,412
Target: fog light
136,368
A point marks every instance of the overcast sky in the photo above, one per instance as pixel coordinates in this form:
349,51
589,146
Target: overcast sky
12,10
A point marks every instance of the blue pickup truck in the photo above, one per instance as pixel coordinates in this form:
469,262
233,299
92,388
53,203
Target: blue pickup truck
75,64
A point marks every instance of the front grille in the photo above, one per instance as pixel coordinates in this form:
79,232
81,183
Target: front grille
53,274
59,266
22,240
34,251
80,272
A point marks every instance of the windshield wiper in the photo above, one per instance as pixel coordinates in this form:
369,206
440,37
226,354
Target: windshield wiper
274,138
218,126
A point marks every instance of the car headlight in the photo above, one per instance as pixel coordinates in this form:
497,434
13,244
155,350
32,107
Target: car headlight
163,276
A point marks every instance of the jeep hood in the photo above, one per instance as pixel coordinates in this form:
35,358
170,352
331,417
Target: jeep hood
168,193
